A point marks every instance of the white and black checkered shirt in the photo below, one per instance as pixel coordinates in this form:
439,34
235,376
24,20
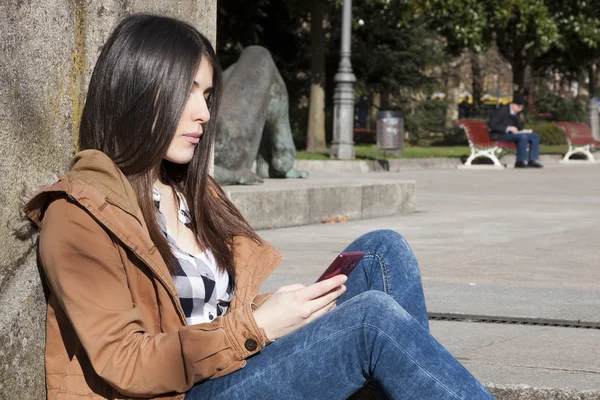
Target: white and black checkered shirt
204,291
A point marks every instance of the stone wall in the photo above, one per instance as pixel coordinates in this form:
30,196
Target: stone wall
49,48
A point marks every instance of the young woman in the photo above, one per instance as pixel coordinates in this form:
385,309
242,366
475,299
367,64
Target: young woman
152,273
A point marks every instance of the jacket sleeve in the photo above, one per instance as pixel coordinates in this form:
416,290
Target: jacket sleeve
497,121
261,298
86,274
519,123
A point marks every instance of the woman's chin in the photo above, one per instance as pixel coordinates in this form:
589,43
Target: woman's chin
181,157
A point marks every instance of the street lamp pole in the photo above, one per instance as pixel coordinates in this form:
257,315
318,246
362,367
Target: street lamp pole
342,147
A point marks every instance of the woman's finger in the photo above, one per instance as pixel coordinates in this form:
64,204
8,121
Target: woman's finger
328,298
322,311
320,288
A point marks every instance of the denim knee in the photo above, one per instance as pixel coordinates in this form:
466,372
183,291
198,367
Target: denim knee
383,234
534,137
376,308
383,238
390,249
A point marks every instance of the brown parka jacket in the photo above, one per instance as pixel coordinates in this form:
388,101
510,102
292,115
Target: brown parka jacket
115,327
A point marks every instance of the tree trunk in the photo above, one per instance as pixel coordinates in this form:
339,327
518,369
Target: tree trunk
519,69
476,85
384,99
592,79
452,100
316,112
375,107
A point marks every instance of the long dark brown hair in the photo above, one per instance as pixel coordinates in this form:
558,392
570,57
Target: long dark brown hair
138,90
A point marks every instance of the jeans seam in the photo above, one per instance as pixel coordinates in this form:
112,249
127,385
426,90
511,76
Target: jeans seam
384,270
284,358
413,360
447,389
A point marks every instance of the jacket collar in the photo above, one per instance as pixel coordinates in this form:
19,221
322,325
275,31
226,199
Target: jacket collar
96,184
99,170
90,168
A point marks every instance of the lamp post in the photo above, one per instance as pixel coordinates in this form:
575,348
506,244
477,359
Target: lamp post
342,147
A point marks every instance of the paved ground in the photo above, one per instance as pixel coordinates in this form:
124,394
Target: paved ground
512,243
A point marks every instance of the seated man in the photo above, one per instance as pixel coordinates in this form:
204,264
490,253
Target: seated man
506,126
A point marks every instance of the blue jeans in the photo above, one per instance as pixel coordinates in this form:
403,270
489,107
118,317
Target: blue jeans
523,141
379,331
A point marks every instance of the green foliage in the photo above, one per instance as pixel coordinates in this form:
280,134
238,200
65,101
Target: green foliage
524,30
579,43
550,134
463,23
392,46
424,117
579,24
370,152
523,25
453,137
562,108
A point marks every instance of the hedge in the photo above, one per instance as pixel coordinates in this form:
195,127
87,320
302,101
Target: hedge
549,133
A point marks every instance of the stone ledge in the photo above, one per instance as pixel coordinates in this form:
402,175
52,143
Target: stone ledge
269,206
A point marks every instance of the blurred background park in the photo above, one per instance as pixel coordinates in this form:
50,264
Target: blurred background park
437,61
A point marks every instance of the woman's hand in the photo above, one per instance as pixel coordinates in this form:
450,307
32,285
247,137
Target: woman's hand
294,306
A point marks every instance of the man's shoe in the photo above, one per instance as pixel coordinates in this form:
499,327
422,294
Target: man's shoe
520,164
534,164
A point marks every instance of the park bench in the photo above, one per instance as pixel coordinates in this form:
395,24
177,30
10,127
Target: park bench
481,143
364,135
580,140
364,131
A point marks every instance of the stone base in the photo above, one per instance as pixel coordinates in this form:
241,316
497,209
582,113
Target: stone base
290,202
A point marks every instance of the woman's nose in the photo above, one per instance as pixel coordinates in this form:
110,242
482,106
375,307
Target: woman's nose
201,111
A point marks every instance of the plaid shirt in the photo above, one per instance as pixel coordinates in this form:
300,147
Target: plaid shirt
204,291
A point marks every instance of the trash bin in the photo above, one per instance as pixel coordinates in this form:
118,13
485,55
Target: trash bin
390,131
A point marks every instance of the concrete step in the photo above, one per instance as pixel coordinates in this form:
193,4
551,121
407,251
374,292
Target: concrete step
526,362
290,202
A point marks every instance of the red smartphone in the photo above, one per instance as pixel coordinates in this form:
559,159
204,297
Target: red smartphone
343,264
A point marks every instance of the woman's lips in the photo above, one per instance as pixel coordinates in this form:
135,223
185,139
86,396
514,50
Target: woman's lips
192,138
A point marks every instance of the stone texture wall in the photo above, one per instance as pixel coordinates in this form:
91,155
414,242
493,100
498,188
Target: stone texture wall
49,48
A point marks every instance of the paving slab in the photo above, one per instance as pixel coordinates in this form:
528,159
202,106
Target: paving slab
532,303
511,355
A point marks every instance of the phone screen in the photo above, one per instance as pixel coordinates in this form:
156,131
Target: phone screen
343,264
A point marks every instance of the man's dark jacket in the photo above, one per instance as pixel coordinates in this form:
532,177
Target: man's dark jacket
501,119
